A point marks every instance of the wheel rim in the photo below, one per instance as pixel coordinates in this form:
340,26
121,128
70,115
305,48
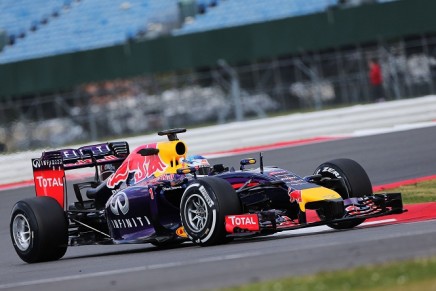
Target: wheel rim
21,232
197,212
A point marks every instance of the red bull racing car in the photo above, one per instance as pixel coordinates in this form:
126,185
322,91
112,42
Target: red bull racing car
157,194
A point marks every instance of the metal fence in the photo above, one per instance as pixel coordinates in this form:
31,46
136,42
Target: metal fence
227,92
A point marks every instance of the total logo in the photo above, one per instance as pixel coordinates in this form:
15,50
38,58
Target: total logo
119,203
49,182
249,222
243,220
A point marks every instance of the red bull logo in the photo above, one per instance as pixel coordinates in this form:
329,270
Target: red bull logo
295,195
142,166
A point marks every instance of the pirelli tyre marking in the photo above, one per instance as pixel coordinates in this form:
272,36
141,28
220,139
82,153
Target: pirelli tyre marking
198,212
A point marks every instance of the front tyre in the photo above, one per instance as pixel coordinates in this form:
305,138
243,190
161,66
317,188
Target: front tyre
203,208
39,229
355,183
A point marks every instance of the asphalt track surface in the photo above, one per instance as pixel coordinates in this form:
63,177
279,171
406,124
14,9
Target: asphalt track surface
387,158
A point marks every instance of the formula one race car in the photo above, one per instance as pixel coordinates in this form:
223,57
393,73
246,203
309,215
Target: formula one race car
157,194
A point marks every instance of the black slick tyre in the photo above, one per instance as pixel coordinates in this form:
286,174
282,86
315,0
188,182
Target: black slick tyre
39,229
203,208
356,183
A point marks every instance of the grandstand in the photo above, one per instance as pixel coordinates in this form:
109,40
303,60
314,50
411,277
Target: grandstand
41,28
21,15
230,13
102,69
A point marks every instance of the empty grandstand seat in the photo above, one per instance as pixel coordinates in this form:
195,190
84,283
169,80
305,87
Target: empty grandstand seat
240,12
40,28
82,25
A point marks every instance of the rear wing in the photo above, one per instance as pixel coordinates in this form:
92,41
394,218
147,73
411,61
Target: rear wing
90,155
49,169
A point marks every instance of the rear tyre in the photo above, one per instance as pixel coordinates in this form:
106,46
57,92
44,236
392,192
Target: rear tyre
203,208
39,229
356,183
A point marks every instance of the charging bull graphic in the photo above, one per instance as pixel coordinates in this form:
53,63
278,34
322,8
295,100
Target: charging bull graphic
142,166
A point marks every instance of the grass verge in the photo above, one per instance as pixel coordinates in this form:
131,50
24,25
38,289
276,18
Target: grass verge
417,193
411,275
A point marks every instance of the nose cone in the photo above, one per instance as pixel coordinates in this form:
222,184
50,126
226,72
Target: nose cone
317,194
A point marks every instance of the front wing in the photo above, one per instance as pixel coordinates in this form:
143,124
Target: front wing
272,221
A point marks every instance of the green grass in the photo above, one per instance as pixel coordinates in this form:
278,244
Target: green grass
418,193
417,274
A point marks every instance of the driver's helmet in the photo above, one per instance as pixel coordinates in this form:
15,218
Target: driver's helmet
199,162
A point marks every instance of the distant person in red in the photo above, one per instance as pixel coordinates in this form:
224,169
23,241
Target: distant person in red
376,81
